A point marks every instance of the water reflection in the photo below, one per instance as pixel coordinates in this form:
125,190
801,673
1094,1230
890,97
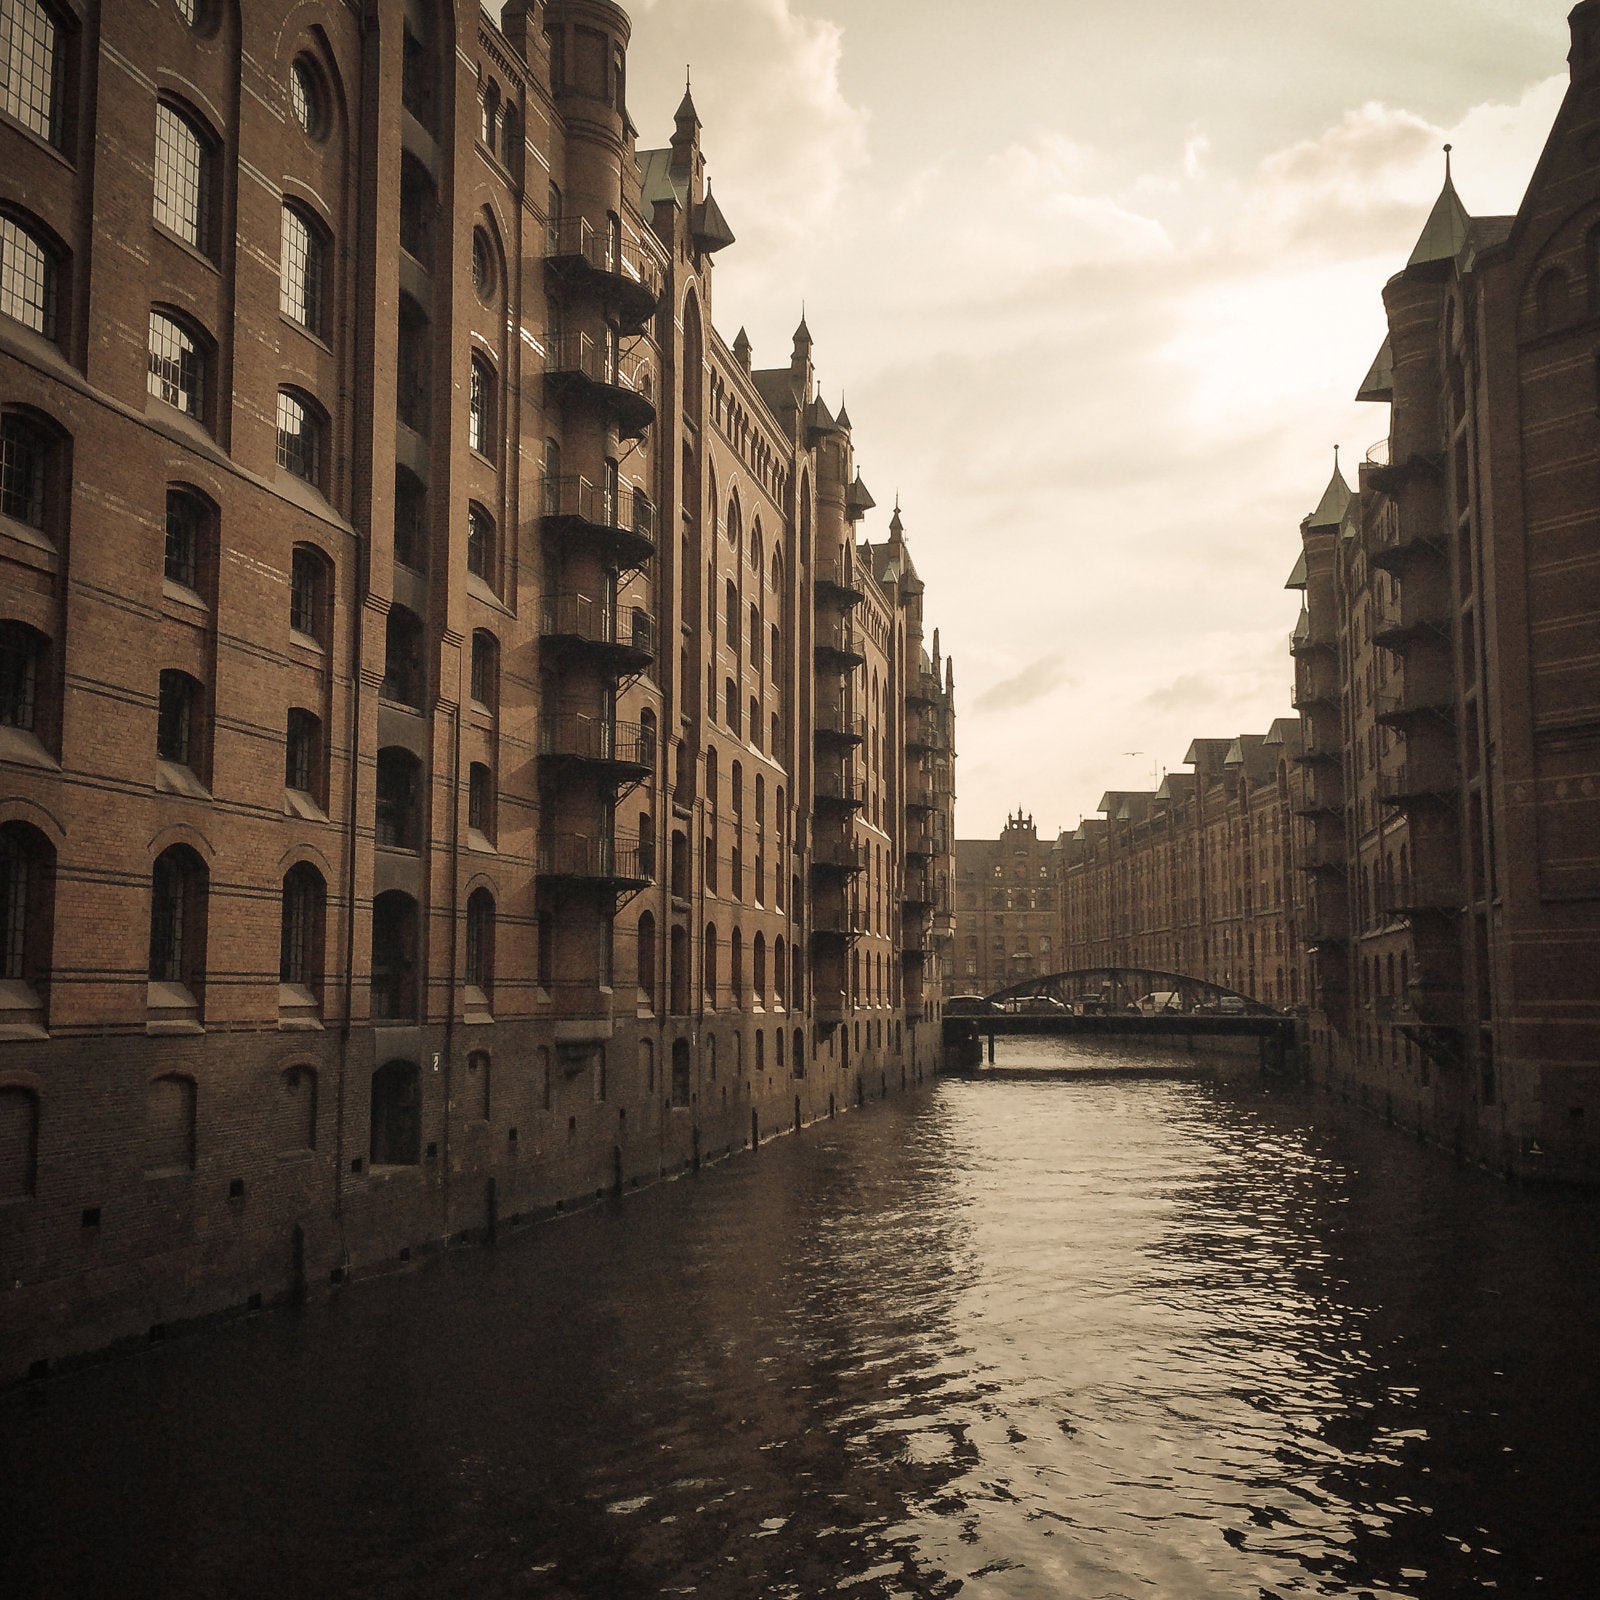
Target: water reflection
1021,1336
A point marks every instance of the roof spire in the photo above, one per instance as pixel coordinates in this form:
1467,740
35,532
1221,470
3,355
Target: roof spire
1445,231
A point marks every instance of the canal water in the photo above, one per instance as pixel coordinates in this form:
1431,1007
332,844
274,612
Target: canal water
1062,1332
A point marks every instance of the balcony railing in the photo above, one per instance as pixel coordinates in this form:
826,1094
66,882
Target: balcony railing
1438,894
839,578
840,725
625,633
847,922
839,787
1394,542
842,641
1398,710
1419,616
1316,682
924,688
584,858
618,519
1321,792
618,268
917,889
621,381
839,855
1414,781
571,736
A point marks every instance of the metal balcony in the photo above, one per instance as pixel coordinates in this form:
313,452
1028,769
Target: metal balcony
620,638
1420,616
921,796
839,789
1411,705
917,892
1436,894
1316,682
617,522
580,369
836,581
841,644
1317,755
838,922
1417,782
838,856
623,751
1321,793
924,689
600,261
585,861
840,727
1394,543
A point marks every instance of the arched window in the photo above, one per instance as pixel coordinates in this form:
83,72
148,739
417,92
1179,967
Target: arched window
646,960
183,176
181,722
396,1115
489,113
419,68
482,546
19,1142
485,685
297,1108
511,142
179,884
394,957
710,959
780,970
398,800
799,1051
418,207
403,675
28,277
410,520
480,801
680,1074
177,363
480,941
302,268
758,968
187,554
27,454
27,908
24,678
732,609
736,968
757,546
301,437
310,593
481,408
304,766
169,1125
301,943
30,85
411,366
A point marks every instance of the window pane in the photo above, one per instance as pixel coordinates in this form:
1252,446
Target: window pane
300,272
175,366
184,519
19,656
180,188
303,96
22,459
28,49
298,438
27,279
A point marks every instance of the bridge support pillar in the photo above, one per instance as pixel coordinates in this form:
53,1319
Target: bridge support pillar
991,1049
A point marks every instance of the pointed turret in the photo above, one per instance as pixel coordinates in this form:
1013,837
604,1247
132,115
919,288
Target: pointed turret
802,336
741,348
858,499
1445,231
709,226
896,527
844,416
1331,507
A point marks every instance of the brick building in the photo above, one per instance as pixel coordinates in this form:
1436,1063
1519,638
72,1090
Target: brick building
1195,877
1447,659
458,752
1007,913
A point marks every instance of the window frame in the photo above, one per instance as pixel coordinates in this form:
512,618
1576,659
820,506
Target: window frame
188,219
190,386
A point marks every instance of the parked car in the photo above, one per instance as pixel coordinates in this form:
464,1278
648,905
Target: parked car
1161,1002
1039,1005
970,1005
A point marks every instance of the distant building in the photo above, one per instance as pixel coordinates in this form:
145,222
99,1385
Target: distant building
458,752
1448,663
1195,877
1007,917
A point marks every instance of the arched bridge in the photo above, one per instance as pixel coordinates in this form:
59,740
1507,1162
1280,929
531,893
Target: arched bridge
1115,1000
1109,990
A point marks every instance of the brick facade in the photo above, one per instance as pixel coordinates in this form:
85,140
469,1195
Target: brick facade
423,648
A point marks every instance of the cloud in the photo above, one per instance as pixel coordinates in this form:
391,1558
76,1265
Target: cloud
1023,688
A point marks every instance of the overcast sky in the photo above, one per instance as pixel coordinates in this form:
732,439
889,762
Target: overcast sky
1099,279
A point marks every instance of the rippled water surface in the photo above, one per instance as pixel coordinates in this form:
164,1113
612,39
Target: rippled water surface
1041,1334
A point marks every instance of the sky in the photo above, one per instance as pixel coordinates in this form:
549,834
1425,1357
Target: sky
1099,280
